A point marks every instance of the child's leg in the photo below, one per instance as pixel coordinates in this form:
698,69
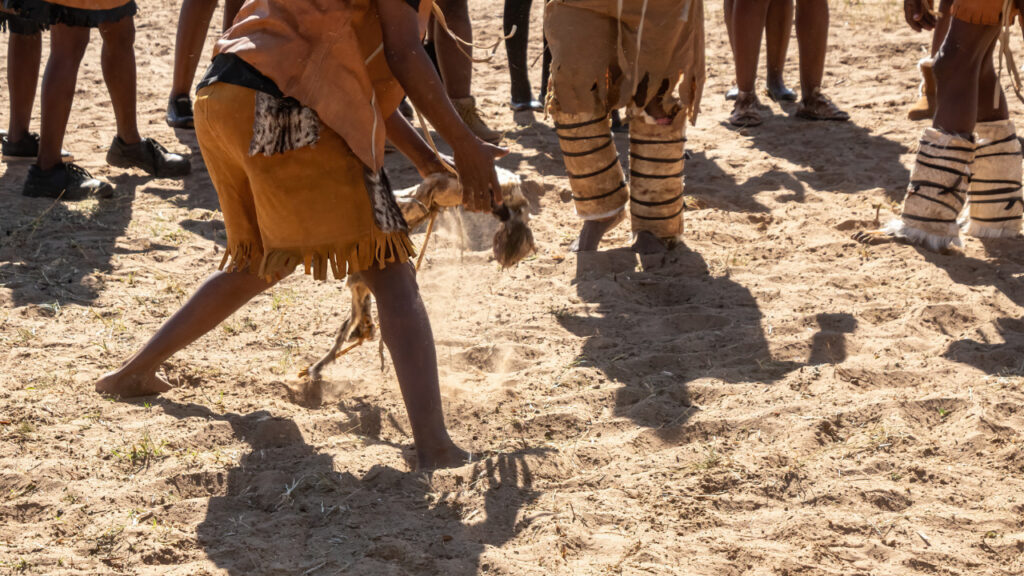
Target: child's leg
193,23
217,299
958,74
24,52
118,62
747,29
517,13
812,41
67,46
405,328
778,27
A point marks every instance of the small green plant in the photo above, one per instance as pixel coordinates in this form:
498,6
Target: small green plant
142,453
710,460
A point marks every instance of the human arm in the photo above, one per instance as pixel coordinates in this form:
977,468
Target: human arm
404,137
474,159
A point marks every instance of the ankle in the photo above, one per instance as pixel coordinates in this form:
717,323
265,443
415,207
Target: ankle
129,140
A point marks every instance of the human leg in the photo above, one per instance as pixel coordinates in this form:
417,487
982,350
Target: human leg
812,21
778,27
129,149
943,167
957,68
118,63
67,46
727,9
748,21
193,22
219,297
405,329
517,16
599,189
656,162
456,66
24,53
994,198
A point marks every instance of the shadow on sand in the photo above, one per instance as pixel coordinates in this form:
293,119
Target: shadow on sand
285,509
986,352
655,331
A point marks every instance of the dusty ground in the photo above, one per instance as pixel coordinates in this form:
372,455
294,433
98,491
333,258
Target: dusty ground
773,399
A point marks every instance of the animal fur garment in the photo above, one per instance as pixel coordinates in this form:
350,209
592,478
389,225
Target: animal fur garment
513,240
282,124
609,54
994,201
656,161
437,191
937,191
598,185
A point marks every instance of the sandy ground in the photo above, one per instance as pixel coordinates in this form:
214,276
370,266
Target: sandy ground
771,399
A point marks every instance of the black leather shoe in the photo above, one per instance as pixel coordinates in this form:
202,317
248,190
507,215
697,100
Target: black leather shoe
26,149
150,156
67,181
179,113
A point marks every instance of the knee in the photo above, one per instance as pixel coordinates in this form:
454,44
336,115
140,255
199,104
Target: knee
393,284
949,64
119,36
68,48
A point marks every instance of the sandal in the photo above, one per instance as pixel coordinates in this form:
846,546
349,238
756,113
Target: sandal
820,108
745,112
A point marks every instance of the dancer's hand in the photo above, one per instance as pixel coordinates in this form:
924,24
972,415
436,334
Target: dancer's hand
474,161
919,14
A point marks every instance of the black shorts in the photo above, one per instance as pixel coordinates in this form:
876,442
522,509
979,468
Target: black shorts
44,14
17,25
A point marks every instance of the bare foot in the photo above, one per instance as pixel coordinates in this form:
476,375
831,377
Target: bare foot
593,231
647,243
874,237
126,385
450,456
778,91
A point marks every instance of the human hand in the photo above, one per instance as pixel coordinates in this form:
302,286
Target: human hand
919,14
474,160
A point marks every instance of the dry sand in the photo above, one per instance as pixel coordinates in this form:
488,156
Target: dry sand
772,399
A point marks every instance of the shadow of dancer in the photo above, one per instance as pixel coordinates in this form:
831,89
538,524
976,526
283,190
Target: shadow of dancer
984,351
51,250
839,157
285,509
828,346
656,331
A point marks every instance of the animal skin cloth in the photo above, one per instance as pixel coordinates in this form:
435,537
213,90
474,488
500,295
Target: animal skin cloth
937,191
643,55
994,196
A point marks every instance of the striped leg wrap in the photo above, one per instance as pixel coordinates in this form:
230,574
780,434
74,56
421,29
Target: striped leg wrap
994,200
656,177
937,191
595,176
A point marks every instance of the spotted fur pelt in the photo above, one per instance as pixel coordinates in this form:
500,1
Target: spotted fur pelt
282,124
386,213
